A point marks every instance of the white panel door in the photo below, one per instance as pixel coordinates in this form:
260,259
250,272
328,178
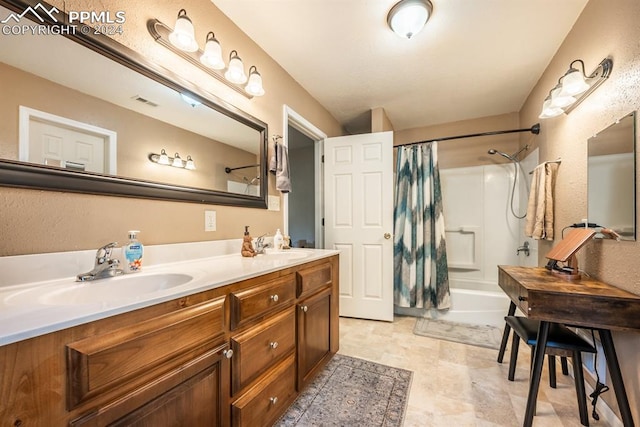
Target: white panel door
55,145
358,173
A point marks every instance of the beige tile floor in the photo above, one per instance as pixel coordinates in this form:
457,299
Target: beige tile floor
457,385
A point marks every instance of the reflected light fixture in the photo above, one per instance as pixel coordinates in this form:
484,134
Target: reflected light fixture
190,164
212,55
175,161
183,36
189,100
235,70
254,86
163,159
573,87
407,17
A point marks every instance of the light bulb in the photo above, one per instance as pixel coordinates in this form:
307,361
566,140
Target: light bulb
183,35
212,56
235,71
254,86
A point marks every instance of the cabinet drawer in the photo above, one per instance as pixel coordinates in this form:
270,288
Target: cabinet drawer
264,403
255,350
259,300
313,278
134,354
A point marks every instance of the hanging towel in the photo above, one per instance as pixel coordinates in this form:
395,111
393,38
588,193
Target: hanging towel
279,165
540,207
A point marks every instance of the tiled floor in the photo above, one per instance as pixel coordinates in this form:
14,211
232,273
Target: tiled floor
457,385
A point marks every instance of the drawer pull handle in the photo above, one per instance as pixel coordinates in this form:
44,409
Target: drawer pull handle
273,344
522,298
228,353
273,400
304,308
274,298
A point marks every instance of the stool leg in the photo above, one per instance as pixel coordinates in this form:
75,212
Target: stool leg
505,333
565,366
515,344
580,392
552,371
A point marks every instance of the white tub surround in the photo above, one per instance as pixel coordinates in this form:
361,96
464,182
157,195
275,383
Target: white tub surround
209,265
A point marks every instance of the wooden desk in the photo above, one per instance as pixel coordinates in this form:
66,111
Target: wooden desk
544,296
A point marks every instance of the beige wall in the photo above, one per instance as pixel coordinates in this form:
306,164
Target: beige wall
465,152
34,221
604,29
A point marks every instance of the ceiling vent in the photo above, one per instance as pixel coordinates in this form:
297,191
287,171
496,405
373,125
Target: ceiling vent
144,101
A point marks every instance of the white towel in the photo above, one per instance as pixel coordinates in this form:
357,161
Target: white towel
279,165
540,207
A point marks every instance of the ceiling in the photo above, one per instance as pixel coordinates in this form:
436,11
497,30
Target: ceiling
473,59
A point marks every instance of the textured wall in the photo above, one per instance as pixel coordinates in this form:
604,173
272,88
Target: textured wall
604,29
34,221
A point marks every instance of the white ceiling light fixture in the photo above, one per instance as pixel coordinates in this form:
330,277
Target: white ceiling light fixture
183,36
573,87
407,17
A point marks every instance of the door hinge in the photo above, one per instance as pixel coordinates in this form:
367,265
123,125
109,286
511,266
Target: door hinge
322,159
323,222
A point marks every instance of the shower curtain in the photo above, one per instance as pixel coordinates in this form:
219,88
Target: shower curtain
421,278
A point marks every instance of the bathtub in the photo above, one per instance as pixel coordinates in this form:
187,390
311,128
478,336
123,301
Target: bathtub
477,307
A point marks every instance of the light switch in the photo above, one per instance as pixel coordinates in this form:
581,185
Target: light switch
273,203
209,220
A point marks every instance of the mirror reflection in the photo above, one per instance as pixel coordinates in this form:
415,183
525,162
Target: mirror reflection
611,177
71,108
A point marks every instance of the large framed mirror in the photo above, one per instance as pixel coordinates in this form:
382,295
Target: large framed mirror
83,113
612,177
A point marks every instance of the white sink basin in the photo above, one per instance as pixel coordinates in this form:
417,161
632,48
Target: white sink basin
99,291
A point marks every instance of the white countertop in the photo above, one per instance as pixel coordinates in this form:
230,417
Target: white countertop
24,315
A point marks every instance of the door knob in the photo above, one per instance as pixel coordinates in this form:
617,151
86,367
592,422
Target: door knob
387,236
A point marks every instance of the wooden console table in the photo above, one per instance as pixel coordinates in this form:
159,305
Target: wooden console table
542,295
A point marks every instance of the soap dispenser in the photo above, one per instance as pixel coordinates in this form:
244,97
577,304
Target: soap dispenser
132,253
247,247
278,240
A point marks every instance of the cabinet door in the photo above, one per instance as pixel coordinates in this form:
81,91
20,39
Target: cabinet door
196,394
314,335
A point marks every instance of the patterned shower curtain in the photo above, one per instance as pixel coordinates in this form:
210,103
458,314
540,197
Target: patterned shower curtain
421,278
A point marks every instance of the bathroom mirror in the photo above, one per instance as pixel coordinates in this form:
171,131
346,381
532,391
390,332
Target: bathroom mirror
83,113
611,177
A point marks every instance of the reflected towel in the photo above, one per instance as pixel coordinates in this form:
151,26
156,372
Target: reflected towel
540,207
279,165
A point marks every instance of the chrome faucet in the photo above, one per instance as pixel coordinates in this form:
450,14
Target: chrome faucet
104,267
260,245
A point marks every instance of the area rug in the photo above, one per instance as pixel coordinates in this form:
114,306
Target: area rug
352,392
477,335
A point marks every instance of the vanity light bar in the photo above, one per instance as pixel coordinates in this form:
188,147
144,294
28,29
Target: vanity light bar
161,33
176,161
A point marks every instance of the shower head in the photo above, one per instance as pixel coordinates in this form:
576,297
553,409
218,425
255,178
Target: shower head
505,155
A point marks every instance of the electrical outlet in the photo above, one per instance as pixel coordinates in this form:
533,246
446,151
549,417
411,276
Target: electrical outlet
209,220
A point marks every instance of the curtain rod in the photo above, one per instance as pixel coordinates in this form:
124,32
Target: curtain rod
535,129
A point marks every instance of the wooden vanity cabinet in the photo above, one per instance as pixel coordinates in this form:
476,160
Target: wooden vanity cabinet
234,355
317,317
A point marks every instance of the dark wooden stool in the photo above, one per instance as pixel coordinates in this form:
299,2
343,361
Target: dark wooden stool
561,342
551,358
